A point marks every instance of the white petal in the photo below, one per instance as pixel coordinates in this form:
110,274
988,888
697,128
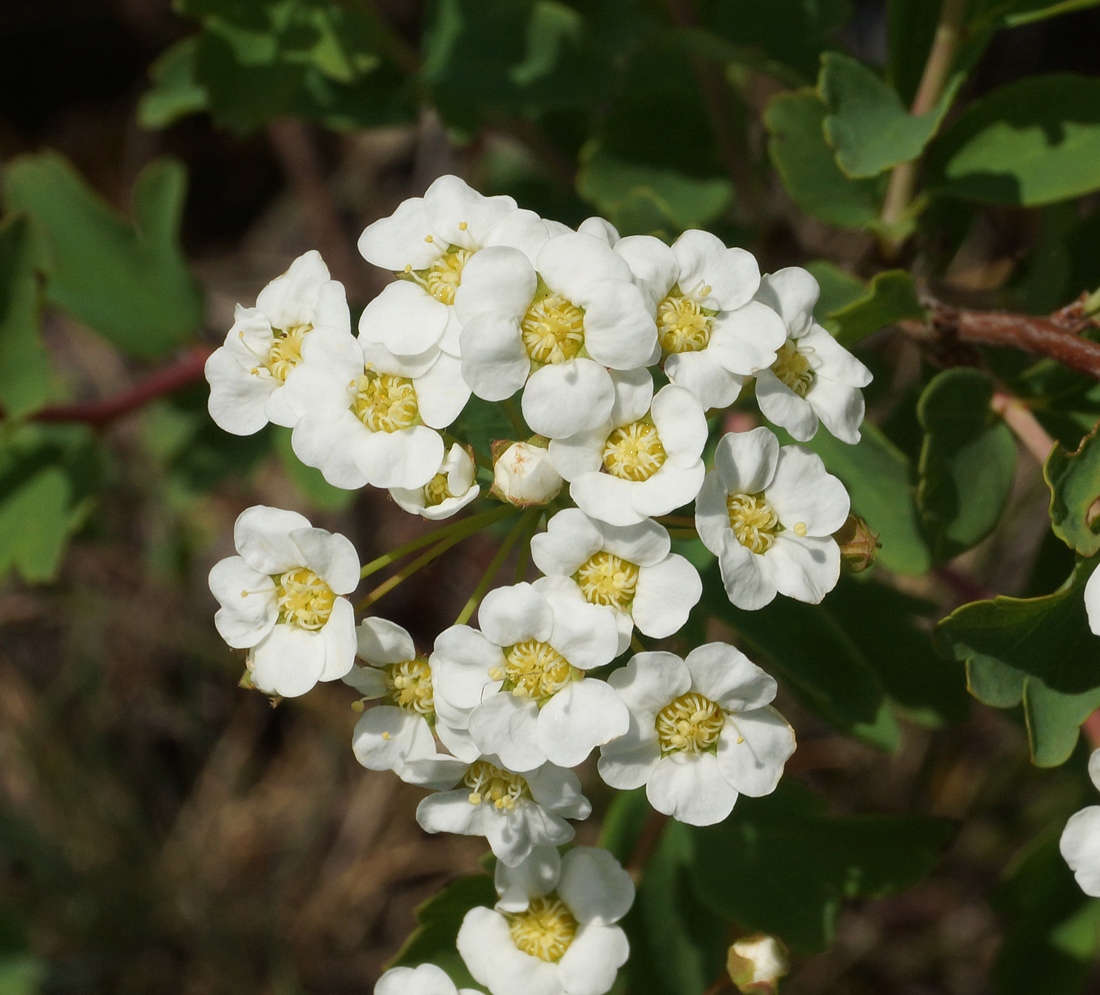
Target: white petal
593,959
666,593
385,737
792,292
783,407
262,536
802,491
831,360
339,636
441,393
494,361
1080,846
649,682
498,278
505,725
462,215
405,238
329,440
570,539
805,569
748,583
331,556
652,263
752,750
289,661
575,265
712,520
238,399
563,399
586,635
841,408
380,359
381,642
510,615
681,424
249,609
577,454
619,330
559,791
580,717
460,666
711,383
732,274
404,318
601,228
533,878
727,677
408,457
427,979
746,340
674,485
690,787
746,461
594,886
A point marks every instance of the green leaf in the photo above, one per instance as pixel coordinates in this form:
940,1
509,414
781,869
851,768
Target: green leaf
967,462
1013,13
1035,651
642,199
21,974
176,91
438,918
782,865
890,297
127,280
309,482
24,360
839,288
1074,481
877,475
807,166
1035,141
867,125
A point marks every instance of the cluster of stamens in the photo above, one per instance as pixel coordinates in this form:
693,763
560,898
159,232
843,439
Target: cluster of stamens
534,669
682,324
689,724
385,403
552,329
443,277
792,367
303,598
634,452
437,490
605,579
489,785
410,686
545,929
753,520
284,353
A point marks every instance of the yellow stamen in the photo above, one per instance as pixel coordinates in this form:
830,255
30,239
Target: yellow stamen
490,785
792,367
436,490
304,599
545,930
553,329
385,403
753,520
536,670
689,724
410,686
634,452
605,579
681,324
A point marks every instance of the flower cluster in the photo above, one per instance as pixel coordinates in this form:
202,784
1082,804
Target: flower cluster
616,351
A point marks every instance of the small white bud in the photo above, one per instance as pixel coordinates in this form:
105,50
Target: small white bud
523,476
756,963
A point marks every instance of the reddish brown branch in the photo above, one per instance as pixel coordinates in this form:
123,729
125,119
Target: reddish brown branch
182,373
1056,337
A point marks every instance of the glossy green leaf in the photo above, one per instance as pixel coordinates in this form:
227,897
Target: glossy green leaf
438,919
1074,481
1034,651
782,865
807,165
1035,141
967,463
890,297
126,279
176,91
866,124
24,360
878,477
642,199
839,288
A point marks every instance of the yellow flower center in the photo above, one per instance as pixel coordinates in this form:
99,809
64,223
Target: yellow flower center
689,724
284,353
634,452
553,329
303,598
682,324
545,930
442,278
489,785
437,490
534,670
385,403
605,579
753,521
410,686
793,368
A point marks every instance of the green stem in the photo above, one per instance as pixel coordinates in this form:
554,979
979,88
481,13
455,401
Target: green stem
495,564
466,525
683,534
523,557
519,426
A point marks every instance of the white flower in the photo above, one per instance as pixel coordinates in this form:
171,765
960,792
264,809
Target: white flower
280,600
263,350
711,331
427,979
514,812
524,476
1080,842
553,932
371,417
448,492
397,735
813,377
629,569
645,460
768,514
1092,601
556,326
756,963
522,678
701,731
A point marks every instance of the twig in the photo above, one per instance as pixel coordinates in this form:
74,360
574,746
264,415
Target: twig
1025,426
646,844
186,370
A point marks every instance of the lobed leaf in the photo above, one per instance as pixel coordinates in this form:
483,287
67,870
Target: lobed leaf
890,297
1074,481
24,360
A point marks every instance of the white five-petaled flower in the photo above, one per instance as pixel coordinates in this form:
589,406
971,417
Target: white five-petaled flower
1080,842
426,979
556,326
262,353
711,331
645,460
514,812
371,417
628,569
701,732
522,678
768,514
813,377
397,733
281,600
448,492
554,930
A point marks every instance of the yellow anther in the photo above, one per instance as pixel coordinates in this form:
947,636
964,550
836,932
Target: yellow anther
605,579
385,403
553,329
753,521
410,686
496,674
500,788
634,452
358,706
304,599
385,735
428,238
799,529
690,723
533,669
792,367
545,929
681,324
462,226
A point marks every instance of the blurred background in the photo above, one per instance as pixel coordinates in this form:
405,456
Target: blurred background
163,831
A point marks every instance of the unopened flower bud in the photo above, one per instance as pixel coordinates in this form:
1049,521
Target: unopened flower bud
859,546
522,474
756,963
